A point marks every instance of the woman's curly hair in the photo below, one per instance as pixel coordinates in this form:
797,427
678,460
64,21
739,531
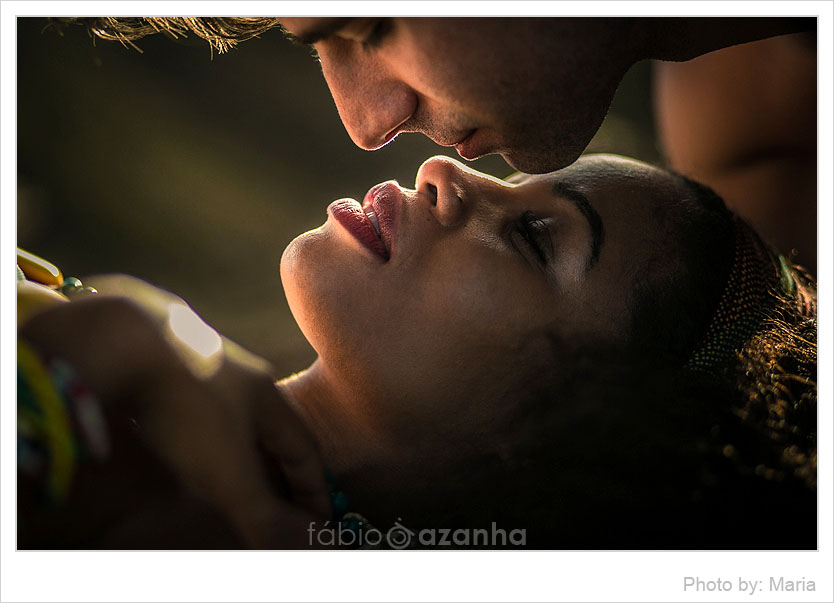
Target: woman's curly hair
775,375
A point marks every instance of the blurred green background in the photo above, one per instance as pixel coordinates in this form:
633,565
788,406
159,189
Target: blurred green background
193,171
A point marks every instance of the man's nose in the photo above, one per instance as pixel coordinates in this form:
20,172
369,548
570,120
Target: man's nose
372,103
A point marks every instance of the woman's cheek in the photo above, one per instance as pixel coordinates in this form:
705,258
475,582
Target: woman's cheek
477,300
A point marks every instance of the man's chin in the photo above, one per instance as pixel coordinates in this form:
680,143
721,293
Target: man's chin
539,161
526,164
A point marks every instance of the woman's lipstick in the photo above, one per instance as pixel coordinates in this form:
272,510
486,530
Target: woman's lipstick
381,204
353,218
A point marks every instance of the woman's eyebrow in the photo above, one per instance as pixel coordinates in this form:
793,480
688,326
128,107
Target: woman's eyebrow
581,202
321,30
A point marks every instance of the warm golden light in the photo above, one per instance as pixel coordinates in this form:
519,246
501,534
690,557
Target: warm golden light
199,344
191,330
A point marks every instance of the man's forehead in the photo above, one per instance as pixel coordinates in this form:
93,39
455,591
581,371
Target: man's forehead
309,30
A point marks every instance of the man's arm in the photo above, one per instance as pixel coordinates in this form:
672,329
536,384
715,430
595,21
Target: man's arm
744,121
684,38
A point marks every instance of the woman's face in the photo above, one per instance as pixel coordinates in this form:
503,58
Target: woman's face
472,283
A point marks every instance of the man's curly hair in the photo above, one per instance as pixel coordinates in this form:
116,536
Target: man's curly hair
222,33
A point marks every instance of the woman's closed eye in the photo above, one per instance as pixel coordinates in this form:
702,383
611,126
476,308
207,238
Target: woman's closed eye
533,236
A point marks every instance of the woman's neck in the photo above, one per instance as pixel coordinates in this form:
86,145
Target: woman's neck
377,474
346,438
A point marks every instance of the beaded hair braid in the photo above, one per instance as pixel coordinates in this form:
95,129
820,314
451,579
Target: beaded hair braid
757,277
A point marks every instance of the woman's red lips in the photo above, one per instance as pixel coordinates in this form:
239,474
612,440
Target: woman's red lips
353,218
382,201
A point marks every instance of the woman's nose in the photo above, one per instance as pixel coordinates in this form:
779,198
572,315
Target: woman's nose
372,102
443,182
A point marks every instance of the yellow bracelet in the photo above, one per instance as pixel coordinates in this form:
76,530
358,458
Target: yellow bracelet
56,427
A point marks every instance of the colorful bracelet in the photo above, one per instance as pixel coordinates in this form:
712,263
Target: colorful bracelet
59,423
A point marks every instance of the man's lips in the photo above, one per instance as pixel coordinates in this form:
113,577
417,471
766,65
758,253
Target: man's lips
474,145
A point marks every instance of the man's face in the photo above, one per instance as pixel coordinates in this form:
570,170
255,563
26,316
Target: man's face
533,90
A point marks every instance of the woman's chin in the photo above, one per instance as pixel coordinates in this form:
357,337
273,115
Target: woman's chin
298,254
304,276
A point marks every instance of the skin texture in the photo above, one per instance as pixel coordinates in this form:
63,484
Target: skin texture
740,119
407,83
534,90
418,354
763,161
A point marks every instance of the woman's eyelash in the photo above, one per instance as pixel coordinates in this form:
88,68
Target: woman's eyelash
380,29
535,233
